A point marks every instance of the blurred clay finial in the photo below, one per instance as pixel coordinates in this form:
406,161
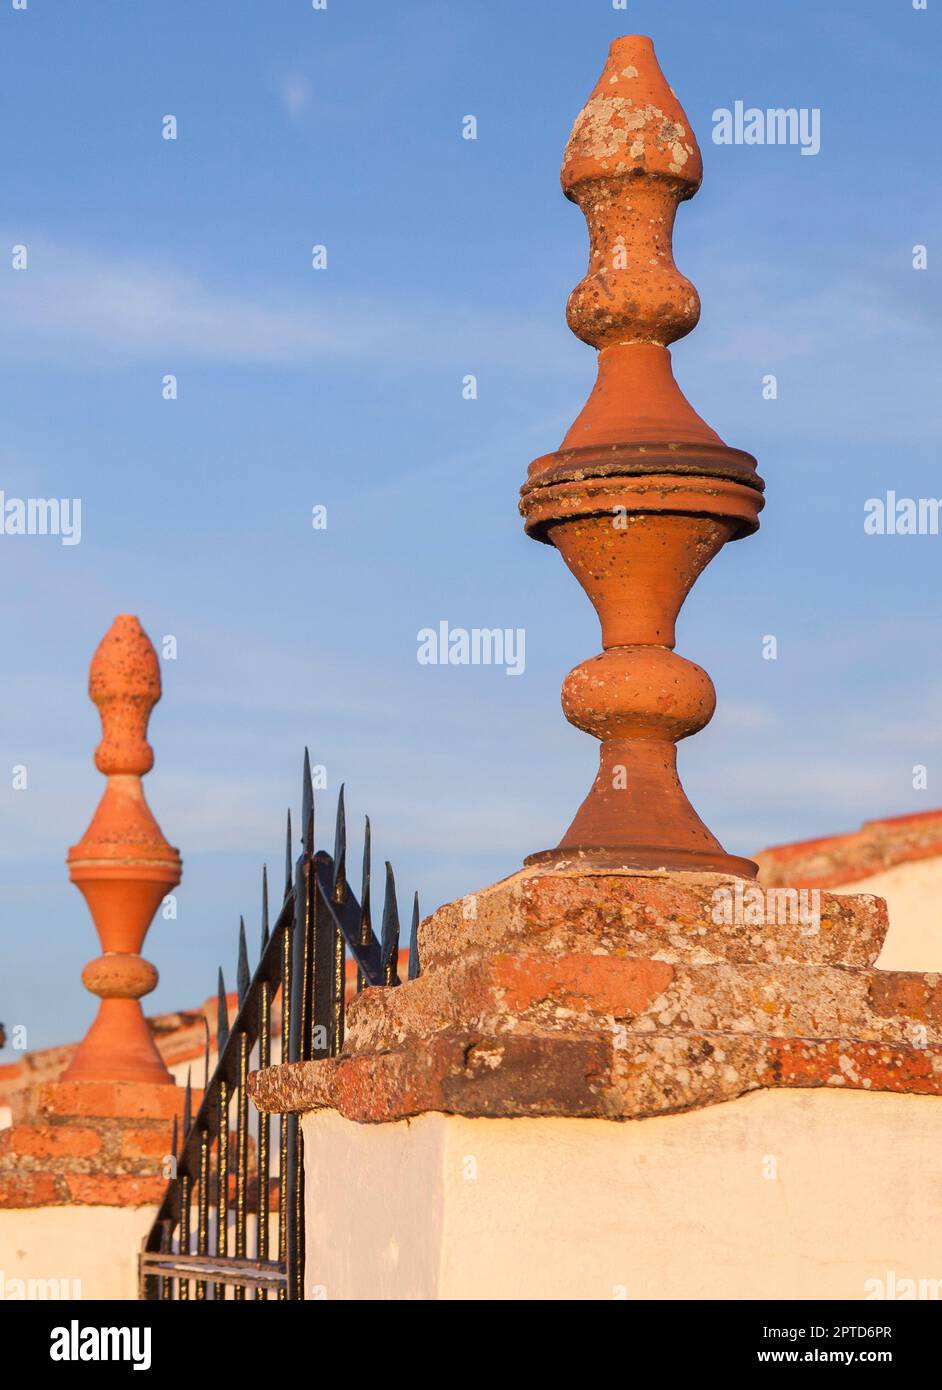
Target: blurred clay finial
123,865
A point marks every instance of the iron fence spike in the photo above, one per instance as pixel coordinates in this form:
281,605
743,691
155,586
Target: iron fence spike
307,805
366,925
242,971
390,947
222,1018
288,856
340,846
264,907
188,1103
414,967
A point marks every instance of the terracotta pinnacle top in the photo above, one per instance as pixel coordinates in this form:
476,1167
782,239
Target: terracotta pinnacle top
632,123
631,158
124,683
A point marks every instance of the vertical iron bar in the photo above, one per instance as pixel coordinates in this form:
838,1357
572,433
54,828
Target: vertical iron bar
296,1049
299,1022
321,933
299,1032
295,1214
264,1131
183,1286
166,1235
338,1002
335,961
287,988
366,926
202,1210
242,1154
222,1181
159,1288
222,1144
186,1184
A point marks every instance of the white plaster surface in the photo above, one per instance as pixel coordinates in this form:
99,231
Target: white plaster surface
55,1246
913,895
780,1194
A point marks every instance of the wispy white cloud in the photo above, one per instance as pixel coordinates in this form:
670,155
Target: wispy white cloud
80,308
858,348
295,93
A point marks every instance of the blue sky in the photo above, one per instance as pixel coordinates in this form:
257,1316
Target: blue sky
343,388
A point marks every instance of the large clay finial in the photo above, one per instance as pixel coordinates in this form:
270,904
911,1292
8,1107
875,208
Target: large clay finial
122,864
642,493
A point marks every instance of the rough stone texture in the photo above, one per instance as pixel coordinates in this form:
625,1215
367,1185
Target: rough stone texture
666,917
88,1142
619,996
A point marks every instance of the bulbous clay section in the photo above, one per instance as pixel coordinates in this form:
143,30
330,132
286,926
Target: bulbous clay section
639,693
120,977
633,292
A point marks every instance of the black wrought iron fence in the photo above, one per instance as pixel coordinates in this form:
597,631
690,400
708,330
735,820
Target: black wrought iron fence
214,1235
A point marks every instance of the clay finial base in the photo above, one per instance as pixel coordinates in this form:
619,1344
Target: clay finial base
90,1143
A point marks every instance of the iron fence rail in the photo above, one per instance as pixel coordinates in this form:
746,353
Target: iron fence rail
223,1194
